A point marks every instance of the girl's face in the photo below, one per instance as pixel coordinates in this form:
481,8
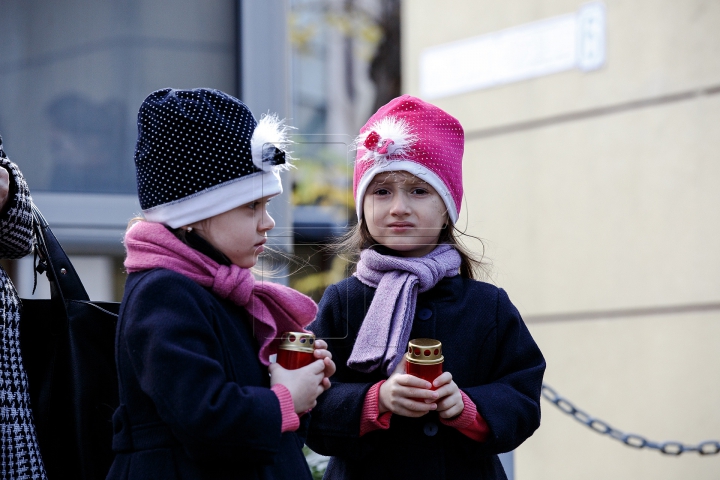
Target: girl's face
239,233
404,213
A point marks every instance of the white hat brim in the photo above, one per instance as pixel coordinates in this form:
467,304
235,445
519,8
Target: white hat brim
416,169
217,200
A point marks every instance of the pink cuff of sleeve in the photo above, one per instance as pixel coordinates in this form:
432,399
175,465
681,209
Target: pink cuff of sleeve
465,419
371,419
470,423
290,420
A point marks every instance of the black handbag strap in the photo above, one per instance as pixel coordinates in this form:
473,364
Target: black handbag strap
60,271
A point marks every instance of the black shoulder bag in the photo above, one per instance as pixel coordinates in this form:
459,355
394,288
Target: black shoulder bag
68,349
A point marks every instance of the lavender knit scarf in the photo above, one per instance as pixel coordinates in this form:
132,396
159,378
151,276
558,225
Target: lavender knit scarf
385,332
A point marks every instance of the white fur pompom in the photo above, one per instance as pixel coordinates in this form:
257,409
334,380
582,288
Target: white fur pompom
388,138
270,130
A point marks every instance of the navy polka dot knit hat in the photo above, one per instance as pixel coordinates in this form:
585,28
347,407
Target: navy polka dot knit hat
2,152
200,153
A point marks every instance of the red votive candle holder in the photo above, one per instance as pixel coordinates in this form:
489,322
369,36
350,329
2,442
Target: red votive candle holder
424,359
296,350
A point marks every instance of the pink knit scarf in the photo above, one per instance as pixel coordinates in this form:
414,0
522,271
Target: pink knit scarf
275,308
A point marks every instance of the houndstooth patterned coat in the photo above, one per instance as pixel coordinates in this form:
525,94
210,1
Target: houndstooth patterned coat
19,451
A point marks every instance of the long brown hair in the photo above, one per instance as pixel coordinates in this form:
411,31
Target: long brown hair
359,238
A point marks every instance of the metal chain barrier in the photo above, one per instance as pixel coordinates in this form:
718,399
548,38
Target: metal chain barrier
710,447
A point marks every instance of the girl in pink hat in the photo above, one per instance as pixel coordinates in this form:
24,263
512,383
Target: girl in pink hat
414,280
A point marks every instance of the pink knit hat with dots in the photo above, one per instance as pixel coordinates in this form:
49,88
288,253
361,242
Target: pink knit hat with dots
411,135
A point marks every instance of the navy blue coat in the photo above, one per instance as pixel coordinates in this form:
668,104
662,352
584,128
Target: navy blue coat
491,356
195,399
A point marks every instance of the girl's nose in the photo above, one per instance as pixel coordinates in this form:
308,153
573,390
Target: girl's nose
266,221
400,206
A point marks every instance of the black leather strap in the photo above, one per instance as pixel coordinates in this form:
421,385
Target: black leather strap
64,280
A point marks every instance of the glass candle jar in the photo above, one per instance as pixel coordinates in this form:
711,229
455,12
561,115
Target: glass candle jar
296,350
424,359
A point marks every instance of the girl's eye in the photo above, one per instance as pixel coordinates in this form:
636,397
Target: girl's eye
256,203
382,191
419,191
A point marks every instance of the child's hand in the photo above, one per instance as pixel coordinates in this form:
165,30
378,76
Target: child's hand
321,352
450,403
400,394
304,384
4,186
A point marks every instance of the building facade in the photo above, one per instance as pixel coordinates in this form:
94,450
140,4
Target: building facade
591,173
72,77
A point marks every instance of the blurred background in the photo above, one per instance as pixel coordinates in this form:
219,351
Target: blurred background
591,169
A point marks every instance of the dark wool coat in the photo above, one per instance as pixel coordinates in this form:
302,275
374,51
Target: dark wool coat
195,400
491,356
18,443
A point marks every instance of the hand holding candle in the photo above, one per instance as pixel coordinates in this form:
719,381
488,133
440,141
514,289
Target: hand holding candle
298,349
406,395
304,384
450,402
322,353
301,373
425,360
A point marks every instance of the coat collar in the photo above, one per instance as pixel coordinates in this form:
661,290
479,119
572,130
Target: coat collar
449,289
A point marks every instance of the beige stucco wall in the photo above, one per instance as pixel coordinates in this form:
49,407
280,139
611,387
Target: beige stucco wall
655,47
611,211
620,211
652,376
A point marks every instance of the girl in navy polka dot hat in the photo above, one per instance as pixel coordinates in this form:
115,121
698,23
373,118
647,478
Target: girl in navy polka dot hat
199,397
415,280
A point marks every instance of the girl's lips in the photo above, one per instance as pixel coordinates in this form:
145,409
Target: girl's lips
399,227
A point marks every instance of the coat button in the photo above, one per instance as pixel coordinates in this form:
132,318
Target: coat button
430,429
424,313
